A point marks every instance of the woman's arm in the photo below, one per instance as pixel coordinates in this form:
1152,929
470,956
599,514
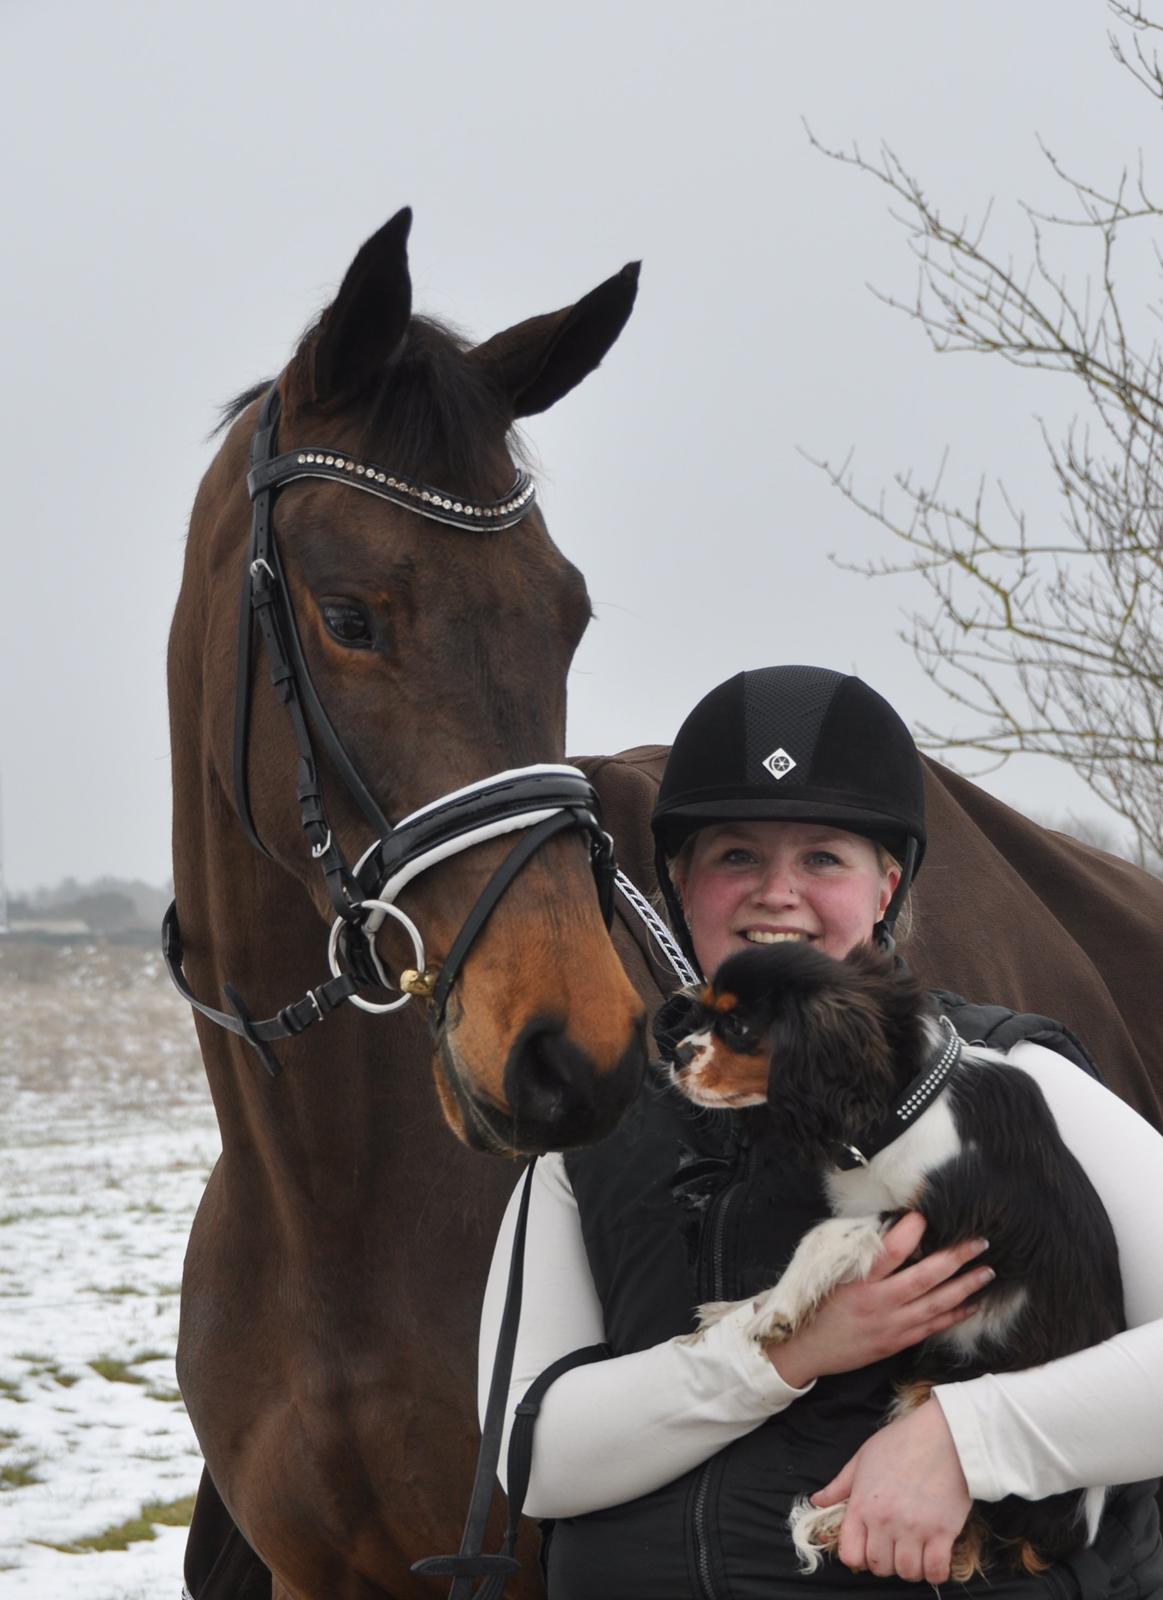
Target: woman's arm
617,1429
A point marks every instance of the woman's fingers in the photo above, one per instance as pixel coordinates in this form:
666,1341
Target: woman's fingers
878,1552
938,1557
941,1268
909,1559
951,1295
937,1312
899,1243
864,1549
851,1546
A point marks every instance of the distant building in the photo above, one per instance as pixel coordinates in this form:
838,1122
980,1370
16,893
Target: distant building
67,927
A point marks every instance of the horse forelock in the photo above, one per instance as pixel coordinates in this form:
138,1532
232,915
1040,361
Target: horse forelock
434,415
435,412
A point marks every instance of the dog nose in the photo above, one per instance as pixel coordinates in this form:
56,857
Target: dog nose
685,1053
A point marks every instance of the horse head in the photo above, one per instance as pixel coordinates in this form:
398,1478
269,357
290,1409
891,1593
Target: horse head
436,654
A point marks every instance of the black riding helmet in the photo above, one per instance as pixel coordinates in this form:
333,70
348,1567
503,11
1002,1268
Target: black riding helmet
793,744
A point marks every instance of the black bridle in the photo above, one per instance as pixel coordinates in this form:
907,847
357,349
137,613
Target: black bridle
538,801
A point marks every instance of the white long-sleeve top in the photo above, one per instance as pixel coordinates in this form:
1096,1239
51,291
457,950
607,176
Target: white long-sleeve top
620,1428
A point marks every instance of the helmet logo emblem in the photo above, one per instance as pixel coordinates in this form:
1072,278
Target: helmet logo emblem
779,764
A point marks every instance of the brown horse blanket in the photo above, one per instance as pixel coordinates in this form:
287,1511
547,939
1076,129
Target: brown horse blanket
1006,912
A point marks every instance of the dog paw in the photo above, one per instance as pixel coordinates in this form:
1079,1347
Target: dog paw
773,1321
773,1330
815,1533
714,1311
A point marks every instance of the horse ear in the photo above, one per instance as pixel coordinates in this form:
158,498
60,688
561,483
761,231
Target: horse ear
538,361
364,327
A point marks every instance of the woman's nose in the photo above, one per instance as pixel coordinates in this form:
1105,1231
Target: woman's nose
778,886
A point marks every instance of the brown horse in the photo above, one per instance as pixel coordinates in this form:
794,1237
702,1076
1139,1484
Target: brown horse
337,1258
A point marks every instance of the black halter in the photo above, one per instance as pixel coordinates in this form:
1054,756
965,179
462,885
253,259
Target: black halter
539,801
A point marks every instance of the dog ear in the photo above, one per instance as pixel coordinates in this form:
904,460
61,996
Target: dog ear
832,1073
903,1003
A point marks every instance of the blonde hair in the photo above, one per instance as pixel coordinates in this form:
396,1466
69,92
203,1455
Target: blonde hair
906,920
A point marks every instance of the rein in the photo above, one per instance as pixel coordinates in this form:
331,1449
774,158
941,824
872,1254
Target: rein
540,801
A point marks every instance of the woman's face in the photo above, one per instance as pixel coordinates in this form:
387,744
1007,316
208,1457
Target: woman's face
753,883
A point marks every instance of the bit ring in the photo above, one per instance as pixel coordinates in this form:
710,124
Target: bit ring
409,928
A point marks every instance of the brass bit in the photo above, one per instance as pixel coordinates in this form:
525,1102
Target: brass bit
420,984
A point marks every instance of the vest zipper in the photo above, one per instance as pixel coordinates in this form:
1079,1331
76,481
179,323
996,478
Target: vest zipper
718,1291
702,1545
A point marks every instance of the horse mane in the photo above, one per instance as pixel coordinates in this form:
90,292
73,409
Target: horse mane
233,409
431,406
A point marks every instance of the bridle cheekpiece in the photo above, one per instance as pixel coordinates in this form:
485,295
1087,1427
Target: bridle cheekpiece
537,801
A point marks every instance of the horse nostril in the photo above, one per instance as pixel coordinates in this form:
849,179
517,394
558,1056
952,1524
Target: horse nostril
555,1093
548,1077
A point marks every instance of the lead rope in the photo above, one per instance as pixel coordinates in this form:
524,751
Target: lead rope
661,934
470,1561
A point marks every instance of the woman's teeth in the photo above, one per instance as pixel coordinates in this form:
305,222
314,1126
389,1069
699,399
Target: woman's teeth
757,936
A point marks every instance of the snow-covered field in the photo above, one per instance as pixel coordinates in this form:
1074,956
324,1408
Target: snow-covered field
106,1139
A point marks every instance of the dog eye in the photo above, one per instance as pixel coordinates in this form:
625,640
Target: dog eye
734,1030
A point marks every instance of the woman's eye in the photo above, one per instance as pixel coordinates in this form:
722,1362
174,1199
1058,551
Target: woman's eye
824,858
348,623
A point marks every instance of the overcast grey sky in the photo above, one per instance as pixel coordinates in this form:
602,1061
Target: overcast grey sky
185,184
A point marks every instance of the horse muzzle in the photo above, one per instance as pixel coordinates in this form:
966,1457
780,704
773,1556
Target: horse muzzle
554,1096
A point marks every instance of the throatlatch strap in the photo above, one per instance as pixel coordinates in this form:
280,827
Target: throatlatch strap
314,1006
470,1562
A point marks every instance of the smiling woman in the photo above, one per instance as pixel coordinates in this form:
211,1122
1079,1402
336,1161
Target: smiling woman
792,809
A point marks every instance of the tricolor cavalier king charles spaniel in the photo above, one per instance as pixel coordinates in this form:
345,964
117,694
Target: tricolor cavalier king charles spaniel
863,1079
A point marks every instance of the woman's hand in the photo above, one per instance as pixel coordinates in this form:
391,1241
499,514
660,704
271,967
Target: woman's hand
907,1500
891,1309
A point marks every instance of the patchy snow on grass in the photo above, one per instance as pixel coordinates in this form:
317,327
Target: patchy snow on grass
106,1139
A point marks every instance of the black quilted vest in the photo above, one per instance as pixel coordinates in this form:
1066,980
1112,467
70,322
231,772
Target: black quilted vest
679,1206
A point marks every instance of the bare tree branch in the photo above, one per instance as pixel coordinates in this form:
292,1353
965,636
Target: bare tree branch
1052,644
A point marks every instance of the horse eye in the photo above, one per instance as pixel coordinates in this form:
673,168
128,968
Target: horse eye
348,623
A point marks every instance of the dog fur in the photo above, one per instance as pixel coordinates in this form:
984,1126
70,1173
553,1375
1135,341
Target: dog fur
829,1045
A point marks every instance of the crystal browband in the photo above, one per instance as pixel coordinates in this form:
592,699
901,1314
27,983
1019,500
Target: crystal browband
413,496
